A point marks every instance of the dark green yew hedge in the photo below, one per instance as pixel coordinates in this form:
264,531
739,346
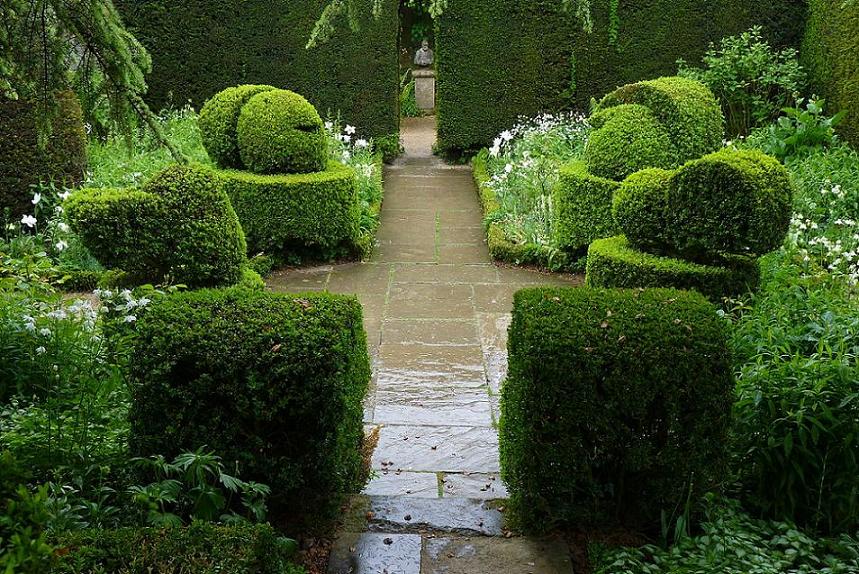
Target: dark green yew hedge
23,162
200,47
273,383
201,548
830,55
499,59
612,262
617,403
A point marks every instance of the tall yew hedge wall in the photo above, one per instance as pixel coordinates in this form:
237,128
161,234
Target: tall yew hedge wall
499,59
830,55
200,47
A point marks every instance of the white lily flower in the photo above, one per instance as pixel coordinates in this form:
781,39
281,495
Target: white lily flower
37,197
349,129
29,221
61,245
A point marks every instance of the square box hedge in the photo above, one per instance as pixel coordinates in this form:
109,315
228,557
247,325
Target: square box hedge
272,383
616,406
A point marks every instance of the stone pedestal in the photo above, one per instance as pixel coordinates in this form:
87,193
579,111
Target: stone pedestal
424,88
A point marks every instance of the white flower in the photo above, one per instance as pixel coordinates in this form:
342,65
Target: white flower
29,221
63,226
129,319
508,168
143,302
361,143
346,156
41,350
65,195
345,138
329,125
506,135
29,323
61,245
349,129
45,332
37,197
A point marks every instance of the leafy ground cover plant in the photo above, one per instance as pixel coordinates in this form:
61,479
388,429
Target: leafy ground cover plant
752,81
802,130
523,166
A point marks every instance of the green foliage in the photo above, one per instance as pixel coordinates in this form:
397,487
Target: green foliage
24,545
273,383
408,104
752,80
582,208
731,542
640,207
25,160
728,202
196,486
616,406
180,227
612,262
629,140
687,110
200,548
802,131
200,47
219,118
280,132
289,214
830,52
498,60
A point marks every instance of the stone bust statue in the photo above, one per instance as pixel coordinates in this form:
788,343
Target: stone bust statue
424,57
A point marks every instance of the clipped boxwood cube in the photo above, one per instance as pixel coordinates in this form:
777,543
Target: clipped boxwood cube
219,118
180,227
582,208
616,407
686,108
295,213
272,383
612,262
281,132
201,548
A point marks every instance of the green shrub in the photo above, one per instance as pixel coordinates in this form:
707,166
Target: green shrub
687,110
830,55
582,208
218,120
639,207
729,202
800,132
273,383
180,227
285,214
629,140
498,60
612,262
616,406
201,548
281,132
23,162
199,47
752,81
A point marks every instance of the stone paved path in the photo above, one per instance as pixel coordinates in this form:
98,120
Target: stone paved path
436,313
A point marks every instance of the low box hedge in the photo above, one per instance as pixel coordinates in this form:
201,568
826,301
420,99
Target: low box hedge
283,214
582,203
613,262
616,407
201,548
273,383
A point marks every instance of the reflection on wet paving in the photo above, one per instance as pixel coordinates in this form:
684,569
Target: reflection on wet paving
436,311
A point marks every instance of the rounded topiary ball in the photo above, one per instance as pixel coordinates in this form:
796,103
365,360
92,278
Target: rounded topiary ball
639,206
630,139
281,132
730,201
218,119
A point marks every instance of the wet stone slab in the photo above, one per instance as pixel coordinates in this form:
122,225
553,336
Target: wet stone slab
411,484
473,485
455,515
437,449
433,406
495,556
376,553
